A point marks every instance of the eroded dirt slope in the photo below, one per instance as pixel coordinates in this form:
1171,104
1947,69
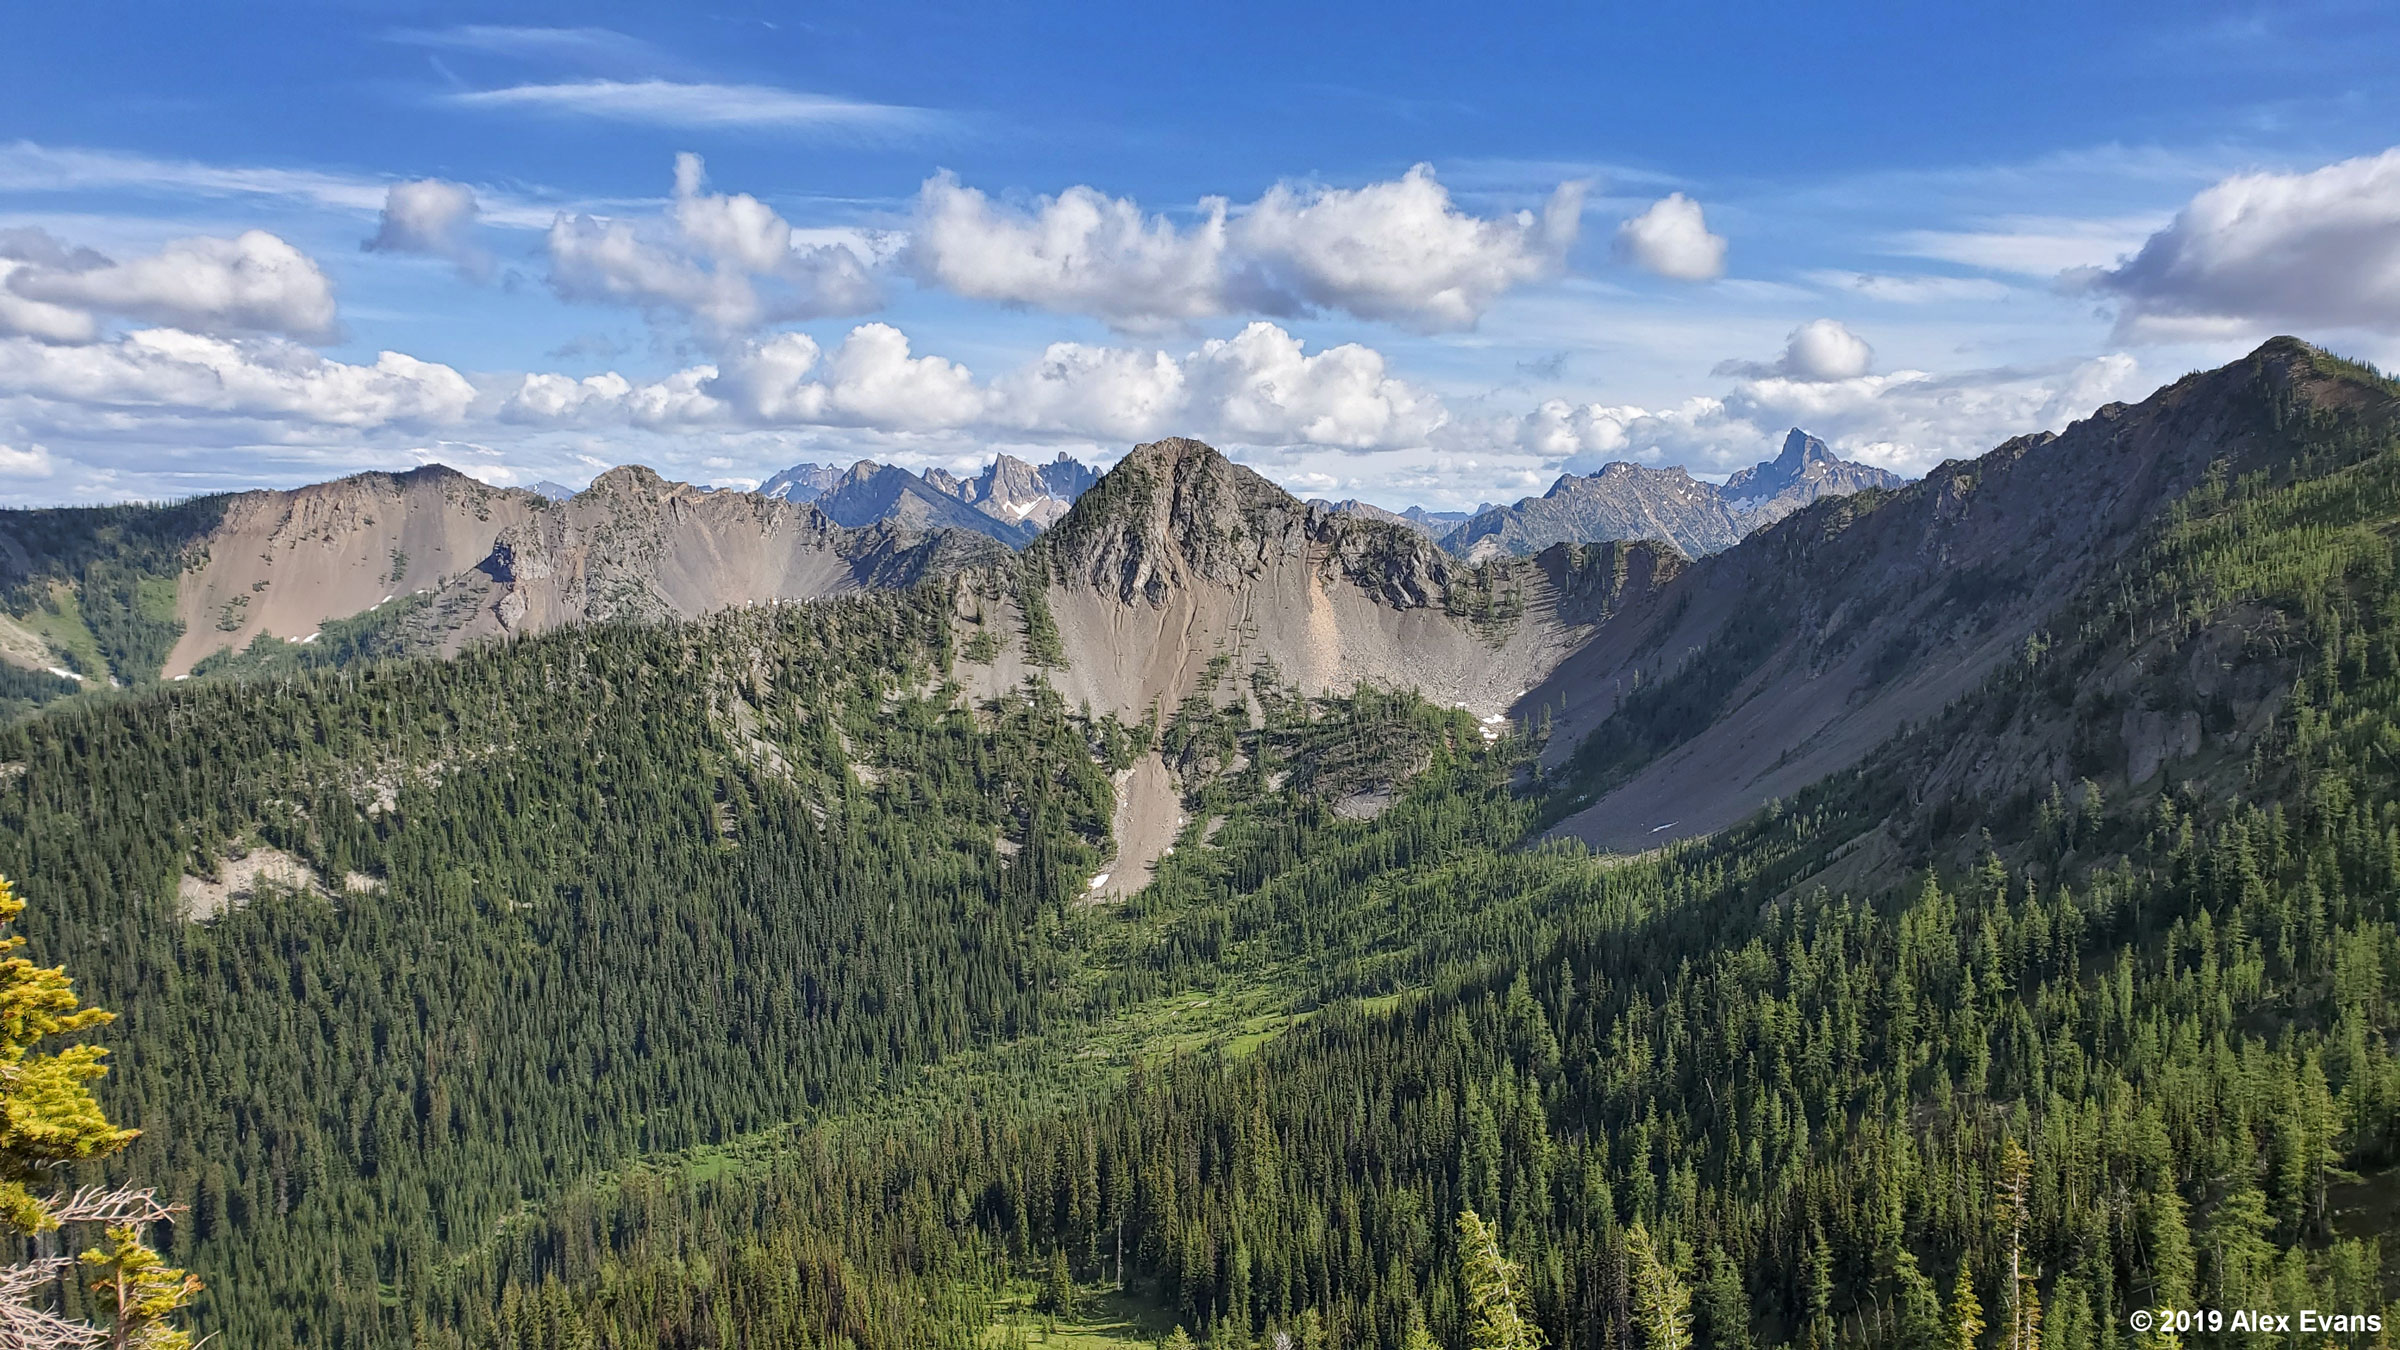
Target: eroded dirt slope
496,561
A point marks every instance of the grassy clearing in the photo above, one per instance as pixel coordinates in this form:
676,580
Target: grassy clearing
59,620
1104,1319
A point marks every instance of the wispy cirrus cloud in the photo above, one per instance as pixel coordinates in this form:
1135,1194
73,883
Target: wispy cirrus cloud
672,103
2036,246
591,46
28,168
1909,289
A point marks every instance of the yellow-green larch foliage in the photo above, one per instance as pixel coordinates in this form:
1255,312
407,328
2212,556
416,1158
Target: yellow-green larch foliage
49,1119
140,1292
1659,1294
1966,1312
1496,1316
47,1113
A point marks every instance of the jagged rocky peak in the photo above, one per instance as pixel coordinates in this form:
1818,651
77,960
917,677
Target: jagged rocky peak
1176,512
632,480
1010,500
868,471
1011,489
1805,470
802,482
1169,511
1018,492
1621,501
1634,501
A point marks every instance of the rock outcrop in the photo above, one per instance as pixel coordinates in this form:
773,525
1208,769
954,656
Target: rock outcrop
1180,569
1805,471
491,561
1630,501
1011,500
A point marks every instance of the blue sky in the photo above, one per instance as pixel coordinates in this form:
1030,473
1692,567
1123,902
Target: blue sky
722,242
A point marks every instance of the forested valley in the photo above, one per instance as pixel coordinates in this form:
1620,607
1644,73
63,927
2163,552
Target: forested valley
738,983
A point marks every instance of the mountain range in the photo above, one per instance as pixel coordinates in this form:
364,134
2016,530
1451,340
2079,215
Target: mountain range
679,917
430,560
1630,501
1010,500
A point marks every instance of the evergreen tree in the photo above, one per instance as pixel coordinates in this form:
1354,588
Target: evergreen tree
1660,1294
49,1118
140,1292
1965,1324
2016,1176
1724,1306
1496,1312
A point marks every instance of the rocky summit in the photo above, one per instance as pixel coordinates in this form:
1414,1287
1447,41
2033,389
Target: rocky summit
1632,501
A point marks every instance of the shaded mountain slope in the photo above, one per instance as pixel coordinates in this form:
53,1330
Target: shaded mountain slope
1770,666
1622,501
871,494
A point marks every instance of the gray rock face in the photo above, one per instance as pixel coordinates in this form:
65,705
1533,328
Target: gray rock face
1017,493
802,482
1010,500
1431,524
1629,501
871,493
1805,471
1622,501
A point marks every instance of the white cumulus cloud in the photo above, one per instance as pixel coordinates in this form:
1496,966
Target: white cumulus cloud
1260,387
870,380
163,370
563,398
726,263
2300,250
33,461
1400,251
432,217
1821,349
1112,393
1672,240
1080,252
252,283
